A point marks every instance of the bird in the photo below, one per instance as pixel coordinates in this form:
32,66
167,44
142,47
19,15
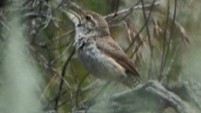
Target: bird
99,53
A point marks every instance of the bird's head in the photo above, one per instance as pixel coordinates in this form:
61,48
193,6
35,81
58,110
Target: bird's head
89,23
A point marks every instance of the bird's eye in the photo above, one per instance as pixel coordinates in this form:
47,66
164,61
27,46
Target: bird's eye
88,17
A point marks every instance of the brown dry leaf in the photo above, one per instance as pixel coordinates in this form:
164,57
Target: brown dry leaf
183,33
135,39
157,29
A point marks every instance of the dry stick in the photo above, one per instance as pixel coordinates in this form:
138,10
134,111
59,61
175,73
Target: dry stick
149,37
62,3
131,9
137,36
136,49
62,54
145,24
88,88
90,101
161,76
57,38
42,59
76,6
78,89
172,27
63,35
117,8
62,79
136,6
48,19
164,44
142,28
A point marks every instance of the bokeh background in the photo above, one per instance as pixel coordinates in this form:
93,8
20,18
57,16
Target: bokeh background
40,72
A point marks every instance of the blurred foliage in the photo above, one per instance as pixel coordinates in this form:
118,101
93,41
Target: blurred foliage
164,45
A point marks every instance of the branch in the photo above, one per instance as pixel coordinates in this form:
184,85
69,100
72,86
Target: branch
58,96
131,9
151,96
124,11
155,90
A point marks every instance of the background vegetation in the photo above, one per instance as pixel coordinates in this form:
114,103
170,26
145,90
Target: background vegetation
39,70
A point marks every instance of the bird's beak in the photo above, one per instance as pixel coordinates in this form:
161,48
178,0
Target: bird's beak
75,17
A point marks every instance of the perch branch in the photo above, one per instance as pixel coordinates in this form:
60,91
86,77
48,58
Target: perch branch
155,89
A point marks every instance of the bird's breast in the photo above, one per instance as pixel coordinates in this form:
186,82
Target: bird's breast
97,62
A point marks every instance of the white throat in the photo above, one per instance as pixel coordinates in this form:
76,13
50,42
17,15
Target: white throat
81,38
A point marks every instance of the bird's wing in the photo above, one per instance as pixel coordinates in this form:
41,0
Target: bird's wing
112,49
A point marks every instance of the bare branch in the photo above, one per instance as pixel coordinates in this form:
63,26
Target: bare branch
131,9
151,96
58,96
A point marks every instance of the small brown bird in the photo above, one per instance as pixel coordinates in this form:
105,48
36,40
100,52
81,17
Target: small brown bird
98,52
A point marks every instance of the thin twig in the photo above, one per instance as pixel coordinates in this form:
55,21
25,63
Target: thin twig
164,44
117,8
62,79
141,29
131,9
58,38
78,89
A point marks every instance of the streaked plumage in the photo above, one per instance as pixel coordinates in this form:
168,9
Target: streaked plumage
99,53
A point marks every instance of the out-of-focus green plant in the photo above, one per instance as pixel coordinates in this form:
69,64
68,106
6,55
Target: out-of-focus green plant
20,78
